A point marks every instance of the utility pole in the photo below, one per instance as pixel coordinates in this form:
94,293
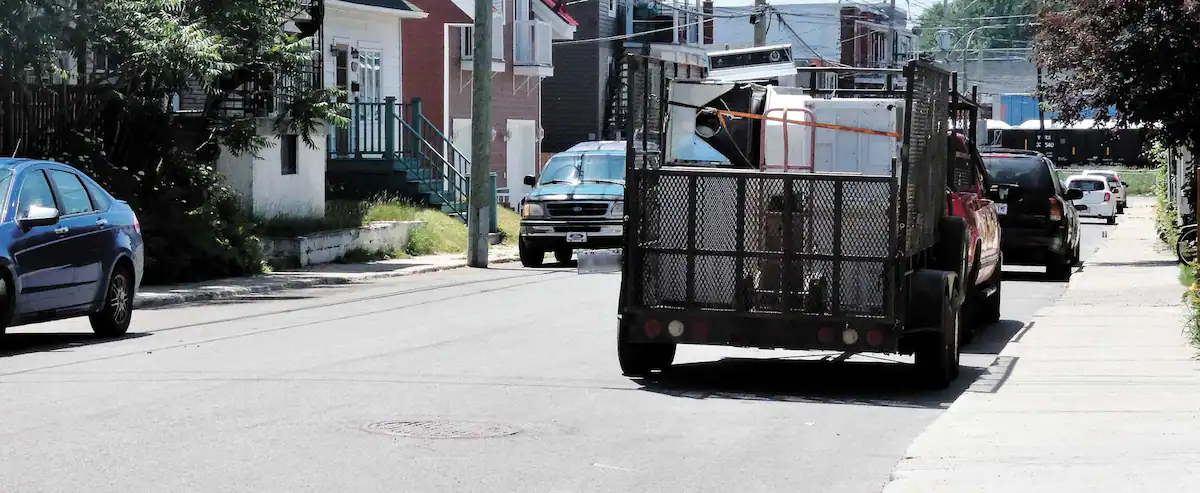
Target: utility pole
481,137
894,39
760,22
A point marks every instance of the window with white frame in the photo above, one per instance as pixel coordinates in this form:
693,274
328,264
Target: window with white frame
466,43
612,8
370,76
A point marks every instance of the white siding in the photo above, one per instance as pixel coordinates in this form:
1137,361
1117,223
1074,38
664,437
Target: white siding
263,187
366,31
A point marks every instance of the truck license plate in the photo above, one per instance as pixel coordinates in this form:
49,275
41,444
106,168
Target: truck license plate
576,237
1001,209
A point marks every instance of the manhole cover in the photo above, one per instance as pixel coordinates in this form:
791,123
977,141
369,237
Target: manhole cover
441,429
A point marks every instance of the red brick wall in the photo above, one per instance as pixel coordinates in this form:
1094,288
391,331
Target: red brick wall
513,97
422,59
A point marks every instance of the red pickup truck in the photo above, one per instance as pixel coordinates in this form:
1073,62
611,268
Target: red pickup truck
967,188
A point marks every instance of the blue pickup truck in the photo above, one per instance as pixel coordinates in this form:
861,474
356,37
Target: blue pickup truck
577,203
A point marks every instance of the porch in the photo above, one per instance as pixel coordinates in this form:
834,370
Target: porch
391,148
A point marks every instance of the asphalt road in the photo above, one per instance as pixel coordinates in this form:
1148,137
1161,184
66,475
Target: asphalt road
284,394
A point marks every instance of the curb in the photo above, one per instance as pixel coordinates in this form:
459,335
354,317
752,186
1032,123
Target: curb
227,292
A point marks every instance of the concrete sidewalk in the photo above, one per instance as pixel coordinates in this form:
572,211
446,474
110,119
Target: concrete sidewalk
1100,393
325,274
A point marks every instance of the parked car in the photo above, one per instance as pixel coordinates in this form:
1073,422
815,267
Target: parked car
578,202
1097,200
1115,185
68,248
968,198
1040,226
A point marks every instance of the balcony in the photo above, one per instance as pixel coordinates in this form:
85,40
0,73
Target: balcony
671,28
532,52
467,46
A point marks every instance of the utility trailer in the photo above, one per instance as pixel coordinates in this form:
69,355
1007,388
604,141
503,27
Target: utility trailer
752,222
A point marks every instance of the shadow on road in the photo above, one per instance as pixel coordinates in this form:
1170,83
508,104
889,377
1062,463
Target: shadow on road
881,383
25,343
875,383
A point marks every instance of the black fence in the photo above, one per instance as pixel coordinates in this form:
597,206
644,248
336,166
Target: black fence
750,241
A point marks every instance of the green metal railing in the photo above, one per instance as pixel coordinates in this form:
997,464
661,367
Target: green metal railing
399,132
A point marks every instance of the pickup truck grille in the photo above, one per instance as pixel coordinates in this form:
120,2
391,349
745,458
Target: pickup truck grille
577,209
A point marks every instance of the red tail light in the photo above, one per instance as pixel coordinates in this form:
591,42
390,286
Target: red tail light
1107,196
1055,210
137,225
652,328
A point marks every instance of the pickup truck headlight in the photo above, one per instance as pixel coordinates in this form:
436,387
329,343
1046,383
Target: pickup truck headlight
617,209
533,210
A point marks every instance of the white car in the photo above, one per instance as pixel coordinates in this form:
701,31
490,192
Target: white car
1115,185
1098,201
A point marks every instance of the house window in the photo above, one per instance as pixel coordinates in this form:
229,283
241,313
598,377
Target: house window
466,44
612,8
370,75
289,147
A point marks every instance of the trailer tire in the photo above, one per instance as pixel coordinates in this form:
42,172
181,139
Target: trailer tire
937,352
640,359
989,310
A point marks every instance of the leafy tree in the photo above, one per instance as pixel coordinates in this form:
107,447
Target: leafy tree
962,16
1141,56
118,126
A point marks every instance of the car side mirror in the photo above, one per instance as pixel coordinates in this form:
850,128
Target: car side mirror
529,180
39,216
1073,194
1124,183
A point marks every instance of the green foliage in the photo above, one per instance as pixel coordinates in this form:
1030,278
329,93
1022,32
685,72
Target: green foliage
1165,213
1137,55
115,125
964,16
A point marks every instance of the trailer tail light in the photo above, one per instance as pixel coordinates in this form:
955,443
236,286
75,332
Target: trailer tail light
849,337
1055,210
875,338
652,328
825,335
1107,196
675,328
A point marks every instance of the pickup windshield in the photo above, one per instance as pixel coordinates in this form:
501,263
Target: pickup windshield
583,168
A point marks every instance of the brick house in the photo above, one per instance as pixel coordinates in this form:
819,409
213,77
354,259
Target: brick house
438,64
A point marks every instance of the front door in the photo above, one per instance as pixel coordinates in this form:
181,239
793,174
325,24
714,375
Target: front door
521,158
341,72
44,255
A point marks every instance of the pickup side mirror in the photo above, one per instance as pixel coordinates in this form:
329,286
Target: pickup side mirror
39,216
530,181
1073,194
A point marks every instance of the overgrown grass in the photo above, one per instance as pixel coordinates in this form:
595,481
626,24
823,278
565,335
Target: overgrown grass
440,233
510,224
1191,298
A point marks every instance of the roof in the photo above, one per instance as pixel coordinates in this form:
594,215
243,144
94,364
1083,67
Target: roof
387,4
598,145
14,162
561,13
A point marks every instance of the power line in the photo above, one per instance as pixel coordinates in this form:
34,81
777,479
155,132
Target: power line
620,37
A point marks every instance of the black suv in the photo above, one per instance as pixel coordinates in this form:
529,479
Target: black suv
1038,222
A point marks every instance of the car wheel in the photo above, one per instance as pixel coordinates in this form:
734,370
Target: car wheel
562,255
1059,268
1120,208
530,257
112,320
1112,219
5,289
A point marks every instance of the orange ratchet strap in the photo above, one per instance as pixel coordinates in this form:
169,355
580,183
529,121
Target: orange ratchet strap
722,113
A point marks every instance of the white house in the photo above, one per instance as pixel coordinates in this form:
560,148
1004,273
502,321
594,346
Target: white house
360,46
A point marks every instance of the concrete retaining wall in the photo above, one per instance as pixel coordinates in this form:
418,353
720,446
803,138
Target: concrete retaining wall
328,246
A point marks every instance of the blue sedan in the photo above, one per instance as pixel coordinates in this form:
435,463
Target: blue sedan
67,248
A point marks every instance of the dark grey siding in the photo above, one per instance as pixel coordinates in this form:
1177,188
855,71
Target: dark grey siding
573,100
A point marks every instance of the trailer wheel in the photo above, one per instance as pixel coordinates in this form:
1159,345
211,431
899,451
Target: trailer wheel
938,357
639,360
989,310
